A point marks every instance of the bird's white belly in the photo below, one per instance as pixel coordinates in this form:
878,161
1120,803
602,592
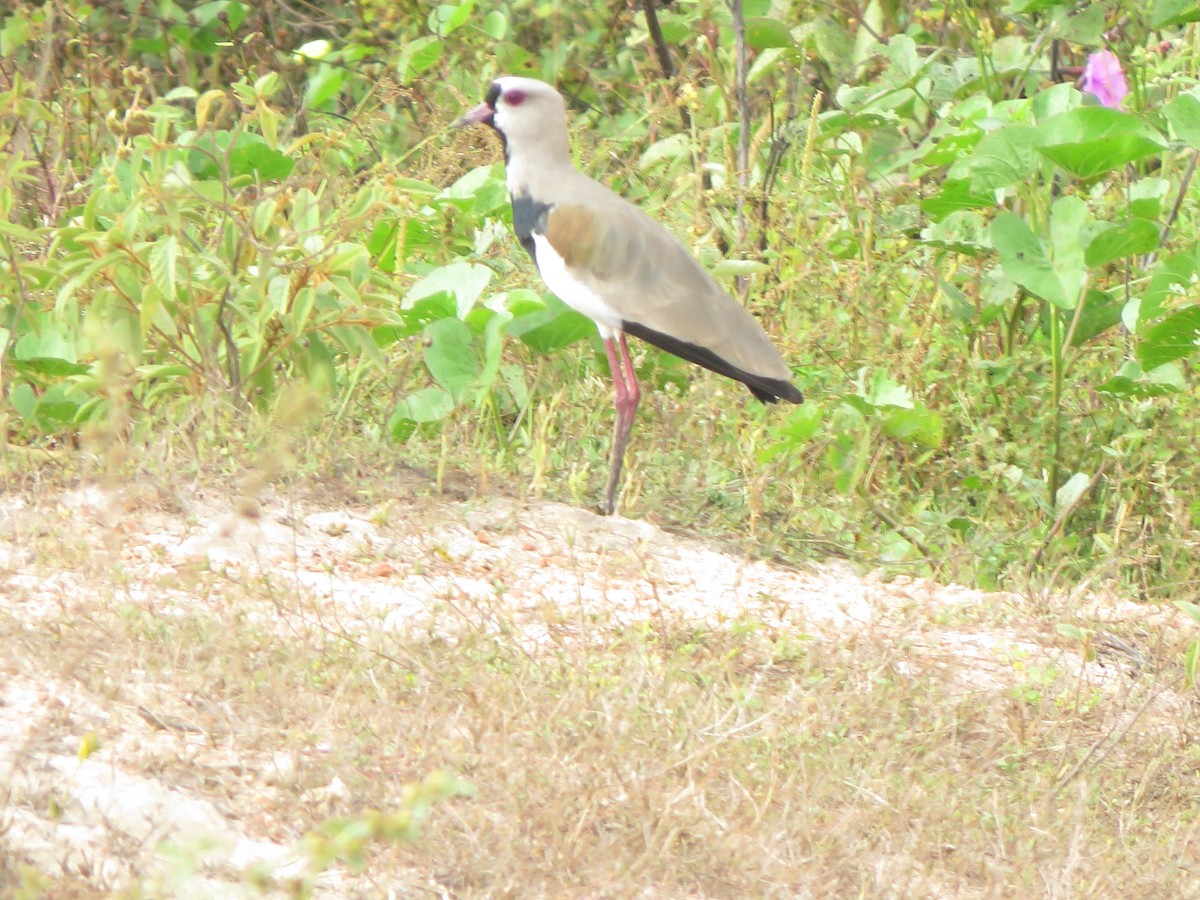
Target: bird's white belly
572,291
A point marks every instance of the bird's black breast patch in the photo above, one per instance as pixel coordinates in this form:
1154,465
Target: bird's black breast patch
529,218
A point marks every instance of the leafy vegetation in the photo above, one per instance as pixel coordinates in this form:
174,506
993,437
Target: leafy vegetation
223,222
984,277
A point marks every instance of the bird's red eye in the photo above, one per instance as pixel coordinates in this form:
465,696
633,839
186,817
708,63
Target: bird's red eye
514,98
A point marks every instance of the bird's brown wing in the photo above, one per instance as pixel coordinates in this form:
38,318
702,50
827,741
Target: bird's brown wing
659,290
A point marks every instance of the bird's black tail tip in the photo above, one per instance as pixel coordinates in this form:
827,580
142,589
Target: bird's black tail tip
774,390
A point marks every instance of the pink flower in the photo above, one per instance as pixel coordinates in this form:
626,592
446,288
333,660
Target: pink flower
1103,78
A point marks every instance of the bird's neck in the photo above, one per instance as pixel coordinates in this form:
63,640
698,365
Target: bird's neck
544,164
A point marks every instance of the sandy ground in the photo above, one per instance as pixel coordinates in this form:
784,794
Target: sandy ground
112,820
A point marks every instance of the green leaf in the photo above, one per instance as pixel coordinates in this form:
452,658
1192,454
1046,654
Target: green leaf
799,428
495,25
323,86
730,268
1085,27
763,33
1176,337
1132,381
1024,260
1006,156
451,357
48,365
884,391
1170,283
833,43
462,280
1119,241
549,329
963,232
431,404
164,259
447,18
1068,217
1092,140
14,34
1169,13
951,149
245,154
418,55
920,425
956,194
1184,115
1100,312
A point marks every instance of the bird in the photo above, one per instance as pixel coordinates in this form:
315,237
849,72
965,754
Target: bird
605,258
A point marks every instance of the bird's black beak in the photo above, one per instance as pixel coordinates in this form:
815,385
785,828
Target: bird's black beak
481,114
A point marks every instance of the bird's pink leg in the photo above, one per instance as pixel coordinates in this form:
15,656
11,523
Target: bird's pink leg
626,394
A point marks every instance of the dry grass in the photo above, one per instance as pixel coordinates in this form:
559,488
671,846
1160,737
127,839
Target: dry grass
623,750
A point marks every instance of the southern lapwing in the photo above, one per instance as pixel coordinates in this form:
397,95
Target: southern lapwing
610,261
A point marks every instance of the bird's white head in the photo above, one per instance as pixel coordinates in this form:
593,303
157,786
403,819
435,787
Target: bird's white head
529,115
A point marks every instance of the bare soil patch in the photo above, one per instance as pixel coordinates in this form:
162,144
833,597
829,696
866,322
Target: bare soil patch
193,681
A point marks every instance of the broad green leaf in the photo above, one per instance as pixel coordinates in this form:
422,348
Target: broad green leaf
955,195
495,25
1024,260
1184,115
1006,156
48,365
462,280
920,425
431,404
1169,13
1092,140
1119,241
1190,609
963,232
451,357
1084,27
418,55
884,391
1068,217
493,345
323,86
951,149
1172,281
1100,312
1132,380
447,18
1175,337
763,33
1055,100
833,43
244,153
801,426
551,328
1146,196
14,34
